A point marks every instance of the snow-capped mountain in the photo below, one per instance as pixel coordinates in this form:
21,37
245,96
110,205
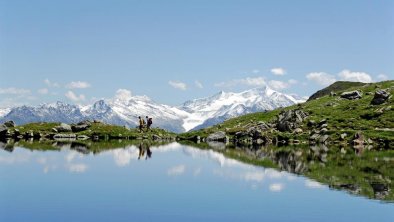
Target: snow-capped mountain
125,109
4,111
215,109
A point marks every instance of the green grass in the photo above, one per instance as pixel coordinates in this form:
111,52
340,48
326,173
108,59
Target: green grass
342,115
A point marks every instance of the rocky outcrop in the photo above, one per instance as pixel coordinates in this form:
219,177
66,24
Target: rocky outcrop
64,128
218,137
10,123
380,97
352,95
289,120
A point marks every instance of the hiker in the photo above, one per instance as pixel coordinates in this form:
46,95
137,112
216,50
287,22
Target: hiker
141,150
141,121
149,122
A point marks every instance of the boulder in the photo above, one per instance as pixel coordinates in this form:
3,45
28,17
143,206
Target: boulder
218,136
4,131
82,137
85,122
9,123
290,120
156,137
358,138
79,128
298,130
351,95
380,97
64,128
64,136
29,134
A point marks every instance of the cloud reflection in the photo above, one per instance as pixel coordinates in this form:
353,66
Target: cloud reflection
176,170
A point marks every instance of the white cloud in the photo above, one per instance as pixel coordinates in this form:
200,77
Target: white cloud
292,81
249,81
78,85
278,71
77,168
51,84
75,98
278,85
176,170
321,78
313,184
383,77
348,75
255,71
123,94
178,85
14,91
276,187
198,84
43,91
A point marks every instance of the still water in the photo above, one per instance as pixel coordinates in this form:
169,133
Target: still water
176,183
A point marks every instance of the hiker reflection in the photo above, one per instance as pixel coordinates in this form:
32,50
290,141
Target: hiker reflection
142,148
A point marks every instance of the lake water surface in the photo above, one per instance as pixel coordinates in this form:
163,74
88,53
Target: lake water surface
177,183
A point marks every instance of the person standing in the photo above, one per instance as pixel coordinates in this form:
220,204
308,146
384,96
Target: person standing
148,122
141,121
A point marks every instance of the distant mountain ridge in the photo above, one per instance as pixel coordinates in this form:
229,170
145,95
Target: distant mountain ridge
193,114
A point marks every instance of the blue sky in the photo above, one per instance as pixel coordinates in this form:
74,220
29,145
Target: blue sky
172,51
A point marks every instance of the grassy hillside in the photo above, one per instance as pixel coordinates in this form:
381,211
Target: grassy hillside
342,115
335,87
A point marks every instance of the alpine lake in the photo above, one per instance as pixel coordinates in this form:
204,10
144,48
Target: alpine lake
138,180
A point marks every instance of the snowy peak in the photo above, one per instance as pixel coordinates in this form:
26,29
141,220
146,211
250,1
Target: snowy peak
124,109
212,110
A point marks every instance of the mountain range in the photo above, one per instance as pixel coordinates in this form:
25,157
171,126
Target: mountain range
191,115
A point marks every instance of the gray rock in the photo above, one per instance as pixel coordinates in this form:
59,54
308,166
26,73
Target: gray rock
156,137
380,97
79,128
64,136
4,131
82,137
323,139
218,136
54,130
290,120
343,136
298,130
9,123
64,128
351,95
29,134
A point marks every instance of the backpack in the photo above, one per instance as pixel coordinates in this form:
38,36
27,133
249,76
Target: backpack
150,121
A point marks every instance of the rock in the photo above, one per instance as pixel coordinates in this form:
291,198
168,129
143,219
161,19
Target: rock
343,136
217,145
218,136
290,120
16,133
311,123
380,97
156,137
79,128
298,130
82,137
64,128
54,130
324,139
85,122
325,125
9,123
332,94
29,134
64,136
358,139
263,126
352,95
4,131
314,137
324,130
